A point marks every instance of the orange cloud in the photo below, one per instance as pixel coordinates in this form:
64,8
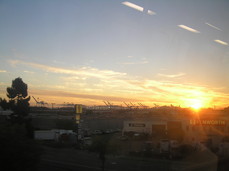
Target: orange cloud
68,96
94,85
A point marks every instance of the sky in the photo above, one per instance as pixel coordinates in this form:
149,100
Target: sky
85,52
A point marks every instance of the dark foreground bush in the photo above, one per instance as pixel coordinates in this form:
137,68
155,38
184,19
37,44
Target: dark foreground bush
17,151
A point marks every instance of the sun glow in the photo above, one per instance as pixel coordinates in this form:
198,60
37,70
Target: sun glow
196,104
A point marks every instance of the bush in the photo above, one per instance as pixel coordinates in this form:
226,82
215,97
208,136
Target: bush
18,152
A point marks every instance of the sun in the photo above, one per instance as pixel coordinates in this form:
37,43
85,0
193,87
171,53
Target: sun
195,104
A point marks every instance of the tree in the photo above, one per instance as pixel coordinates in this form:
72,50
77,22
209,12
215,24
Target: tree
19,100
19,104
19,152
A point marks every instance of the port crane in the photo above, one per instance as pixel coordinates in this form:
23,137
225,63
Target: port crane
41,103
143,106
108,104
127,105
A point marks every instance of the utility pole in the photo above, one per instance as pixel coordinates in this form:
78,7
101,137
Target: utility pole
79,122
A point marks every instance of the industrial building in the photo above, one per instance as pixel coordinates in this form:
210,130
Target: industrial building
188,130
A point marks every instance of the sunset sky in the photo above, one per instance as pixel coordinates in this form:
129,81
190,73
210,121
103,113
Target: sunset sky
85,51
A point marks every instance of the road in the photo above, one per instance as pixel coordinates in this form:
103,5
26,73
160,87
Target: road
72,160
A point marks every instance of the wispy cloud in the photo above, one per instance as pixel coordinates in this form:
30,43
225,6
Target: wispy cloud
92,84
180,93
221,42
29,72
171,75
151,12
2,70
135,63
188,28
3,84
217,28
83,71
137,7
134,6
66,94
58,62
143,61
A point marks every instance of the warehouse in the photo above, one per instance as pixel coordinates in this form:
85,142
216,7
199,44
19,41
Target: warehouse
210,131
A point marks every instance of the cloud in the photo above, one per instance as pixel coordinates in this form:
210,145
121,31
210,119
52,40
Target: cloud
221,42
151,12
175,93
217,28
66,94
143,61
58,62
134,6
2,71
171,75
134,63
188,28
29,72
83,71
92,84
138,8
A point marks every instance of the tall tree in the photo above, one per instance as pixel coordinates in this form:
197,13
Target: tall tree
19,100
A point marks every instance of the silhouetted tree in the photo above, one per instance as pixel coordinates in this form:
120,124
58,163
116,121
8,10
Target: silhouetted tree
18,151
19,100
19,103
